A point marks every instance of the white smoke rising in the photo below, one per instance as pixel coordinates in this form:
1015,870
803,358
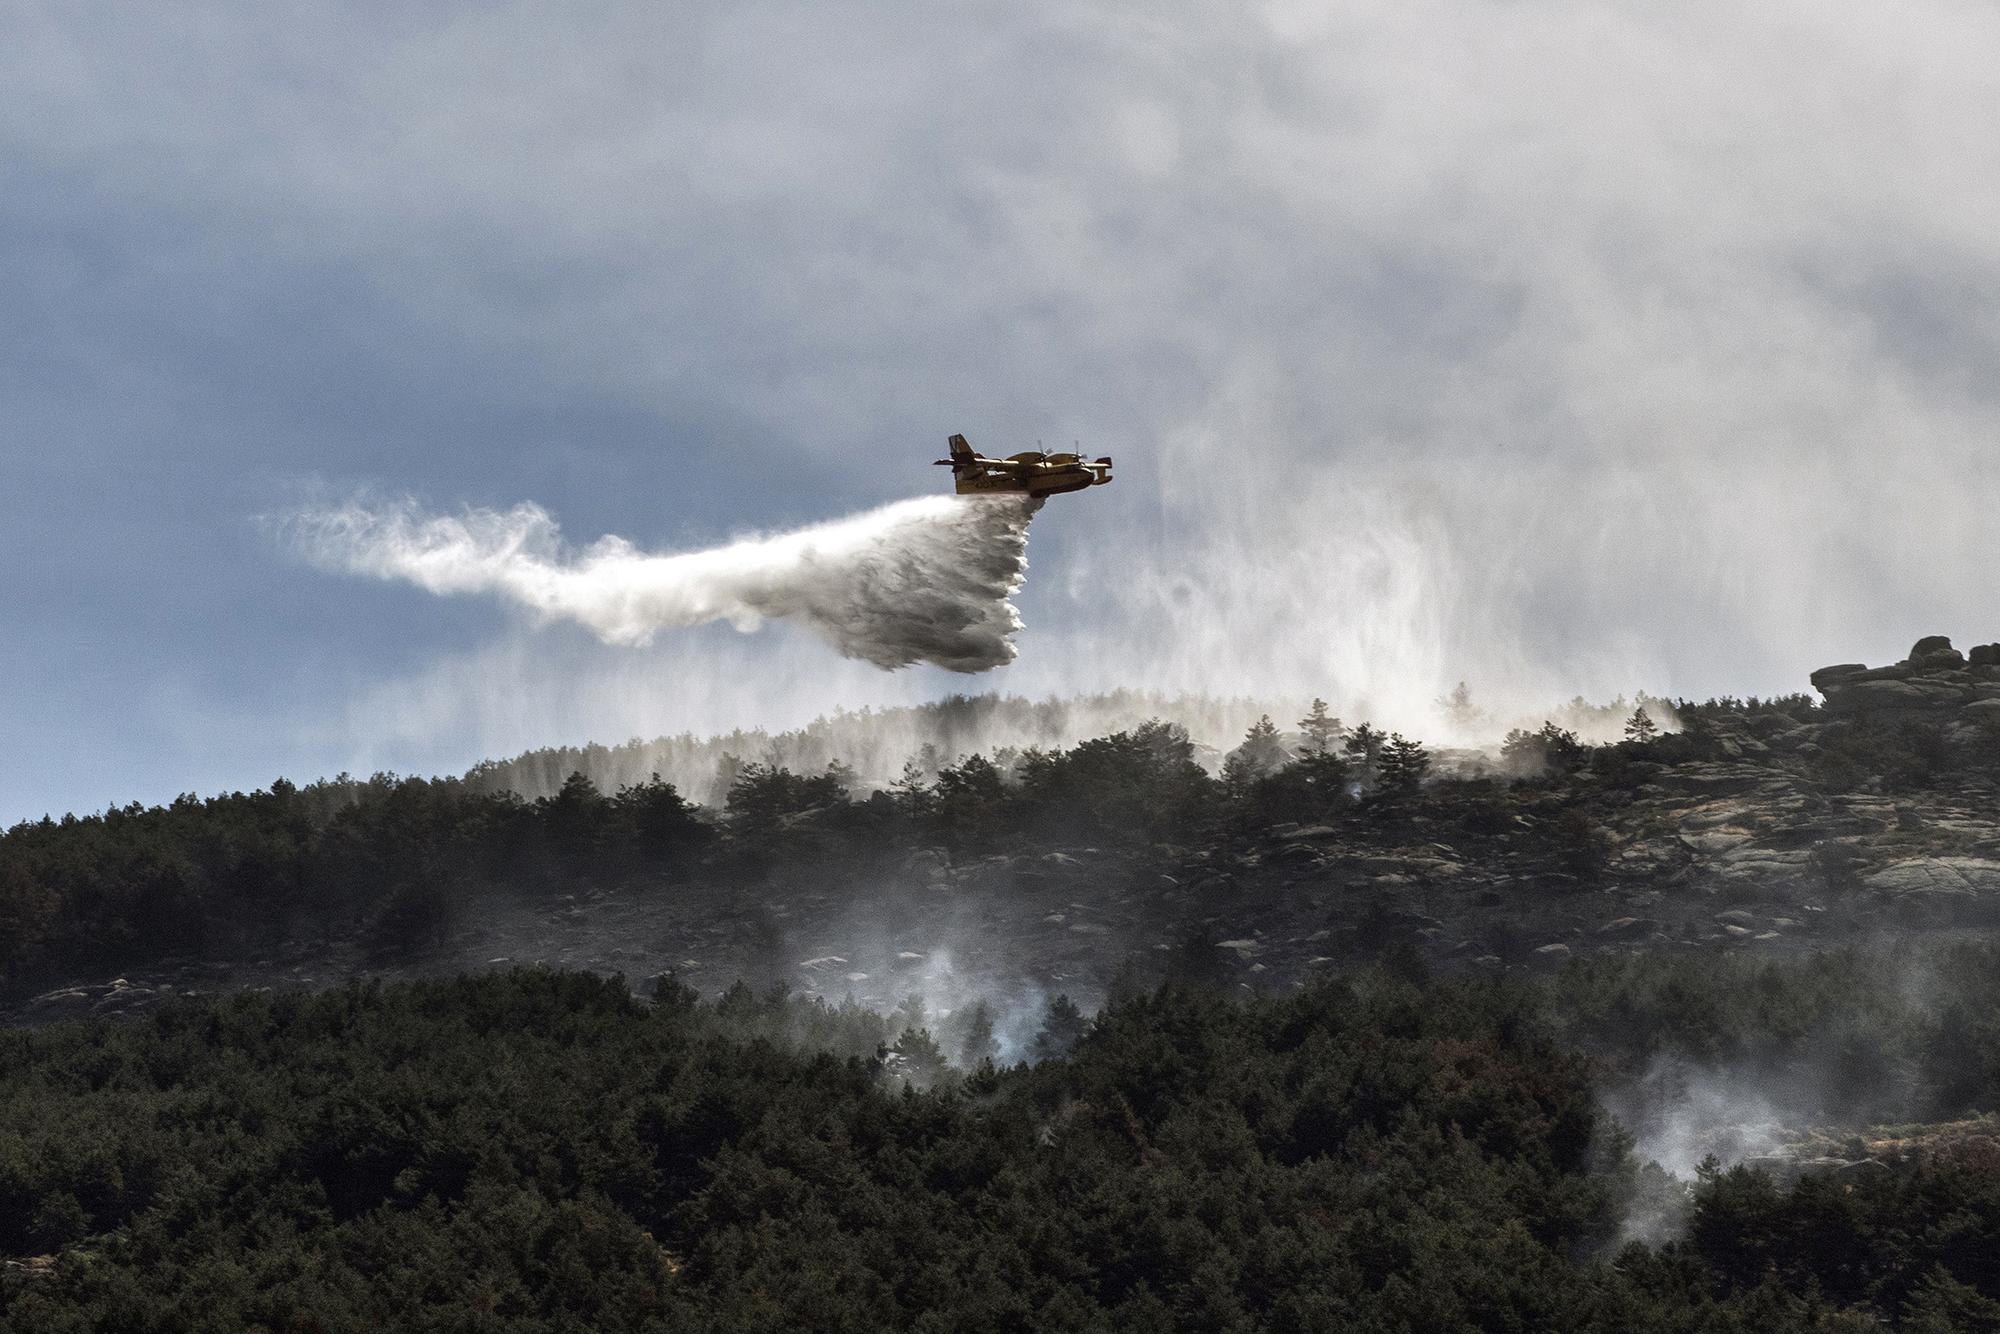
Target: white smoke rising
924,580
1679,1114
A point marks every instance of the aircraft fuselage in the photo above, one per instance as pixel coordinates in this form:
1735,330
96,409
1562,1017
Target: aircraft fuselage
1026,474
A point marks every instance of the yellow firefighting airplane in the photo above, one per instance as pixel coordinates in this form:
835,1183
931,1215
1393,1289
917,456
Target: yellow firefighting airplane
1029,474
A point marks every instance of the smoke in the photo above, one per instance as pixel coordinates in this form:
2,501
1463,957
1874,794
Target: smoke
1680,1114
875,743
924,580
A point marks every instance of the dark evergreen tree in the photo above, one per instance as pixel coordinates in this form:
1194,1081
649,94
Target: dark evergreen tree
978,1043
1063,1026
1640,726
1261,754
1551,751
1403,767
915,799
662,825
1363,747
1322,731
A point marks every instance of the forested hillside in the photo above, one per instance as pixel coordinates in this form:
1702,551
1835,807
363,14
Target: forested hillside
1328,1031
529,1151
1761,825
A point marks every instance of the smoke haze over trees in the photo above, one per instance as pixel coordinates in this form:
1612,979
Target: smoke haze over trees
1269,949
533,1149
1084,1035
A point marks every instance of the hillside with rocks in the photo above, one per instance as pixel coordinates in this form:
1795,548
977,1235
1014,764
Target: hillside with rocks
1698,1023
1774,826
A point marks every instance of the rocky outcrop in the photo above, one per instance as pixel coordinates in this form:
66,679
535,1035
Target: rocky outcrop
117,996
1935,651
1976,876
1777,828
1826,676
1935,681
1940,891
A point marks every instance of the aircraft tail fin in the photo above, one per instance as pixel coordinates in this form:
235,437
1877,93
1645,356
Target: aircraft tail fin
960,451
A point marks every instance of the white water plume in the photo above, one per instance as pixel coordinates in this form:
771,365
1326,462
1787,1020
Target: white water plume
923,580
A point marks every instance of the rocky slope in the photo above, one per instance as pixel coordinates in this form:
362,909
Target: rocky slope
1757,829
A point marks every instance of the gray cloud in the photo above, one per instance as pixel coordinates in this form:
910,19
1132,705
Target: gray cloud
1558,347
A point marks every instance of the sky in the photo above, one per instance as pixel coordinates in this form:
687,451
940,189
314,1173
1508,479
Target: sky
1559,348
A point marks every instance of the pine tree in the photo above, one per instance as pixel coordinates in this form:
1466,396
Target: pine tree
1459,708
1565,752
1262,753
1321,728
1404,766
1533,754
918,1057
573,819
1364,748
914,797
979,1044
1640,726
1062,1027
